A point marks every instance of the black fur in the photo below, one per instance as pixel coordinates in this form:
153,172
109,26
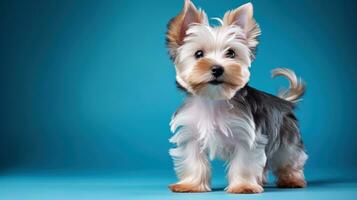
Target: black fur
272,115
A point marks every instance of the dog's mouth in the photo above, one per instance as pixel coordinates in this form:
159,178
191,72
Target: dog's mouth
215,82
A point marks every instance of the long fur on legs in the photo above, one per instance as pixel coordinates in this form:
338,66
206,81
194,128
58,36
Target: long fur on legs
222,115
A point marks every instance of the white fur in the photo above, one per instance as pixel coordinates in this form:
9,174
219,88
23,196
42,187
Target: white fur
246,166
205,127
191,165
208,125
214,41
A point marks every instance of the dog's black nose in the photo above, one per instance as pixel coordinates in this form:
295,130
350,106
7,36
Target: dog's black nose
217,70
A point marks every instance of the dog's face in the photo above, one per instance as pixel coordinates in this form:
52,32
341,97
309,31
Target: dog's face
212,62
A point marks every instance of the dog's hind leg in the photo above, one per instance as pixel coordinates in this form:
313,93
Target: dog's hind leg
288,161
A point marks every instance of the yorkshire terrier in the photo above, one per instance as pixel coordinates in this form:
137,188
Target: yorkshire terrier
222,116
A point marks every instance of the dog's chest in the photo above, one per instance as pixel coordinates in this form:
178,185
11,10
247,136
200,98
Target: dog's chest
215,125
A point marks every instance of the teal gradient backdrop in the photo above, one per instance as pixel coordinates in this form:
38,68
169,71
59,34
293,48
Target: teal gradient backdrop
88,85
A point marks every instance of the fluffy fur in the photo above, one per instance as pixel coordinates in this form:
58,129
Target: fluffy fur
223,116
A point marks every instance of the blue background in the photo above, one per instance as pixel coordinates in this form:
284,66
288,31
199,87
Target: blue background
88,85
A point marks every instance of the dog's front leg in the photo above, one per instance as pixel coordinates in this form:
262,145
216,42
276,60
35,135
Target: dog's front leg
192,168
246,167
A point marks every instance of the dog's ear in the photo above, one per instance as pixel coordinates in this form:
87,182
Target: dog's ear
243,17
178,25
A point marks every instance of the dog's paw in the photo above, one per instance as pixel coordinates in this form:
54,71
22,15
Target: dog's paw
245,188
183,187
291,183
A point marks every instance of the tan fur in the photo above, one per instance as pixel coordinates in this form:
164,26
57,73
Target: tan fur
235,76
173,35
198,77
181,187
216,131
245,188
297,87
288,177
176,28
252,29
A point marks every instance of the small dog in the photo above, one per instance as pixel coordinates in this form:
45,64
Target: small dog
224,117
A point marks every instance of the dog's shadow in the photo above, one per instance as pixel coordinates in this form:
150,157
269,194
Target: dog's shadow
317,183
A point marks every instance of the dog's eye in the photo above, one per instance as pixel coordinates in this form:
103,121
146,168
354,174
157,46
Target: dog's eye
230,53
199,54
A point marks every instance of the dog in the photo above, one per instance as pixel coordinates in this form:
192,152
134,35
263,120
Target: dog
223,116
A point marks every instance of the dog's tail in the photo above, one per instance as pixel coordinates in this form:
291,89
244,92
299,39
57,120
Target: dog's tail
297,86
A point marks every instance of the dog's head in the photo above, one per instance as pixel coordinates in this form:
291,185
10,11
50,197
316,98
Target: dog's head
212,62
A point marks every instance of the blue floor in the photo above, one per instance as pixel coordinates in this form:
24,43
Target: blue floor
153,185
